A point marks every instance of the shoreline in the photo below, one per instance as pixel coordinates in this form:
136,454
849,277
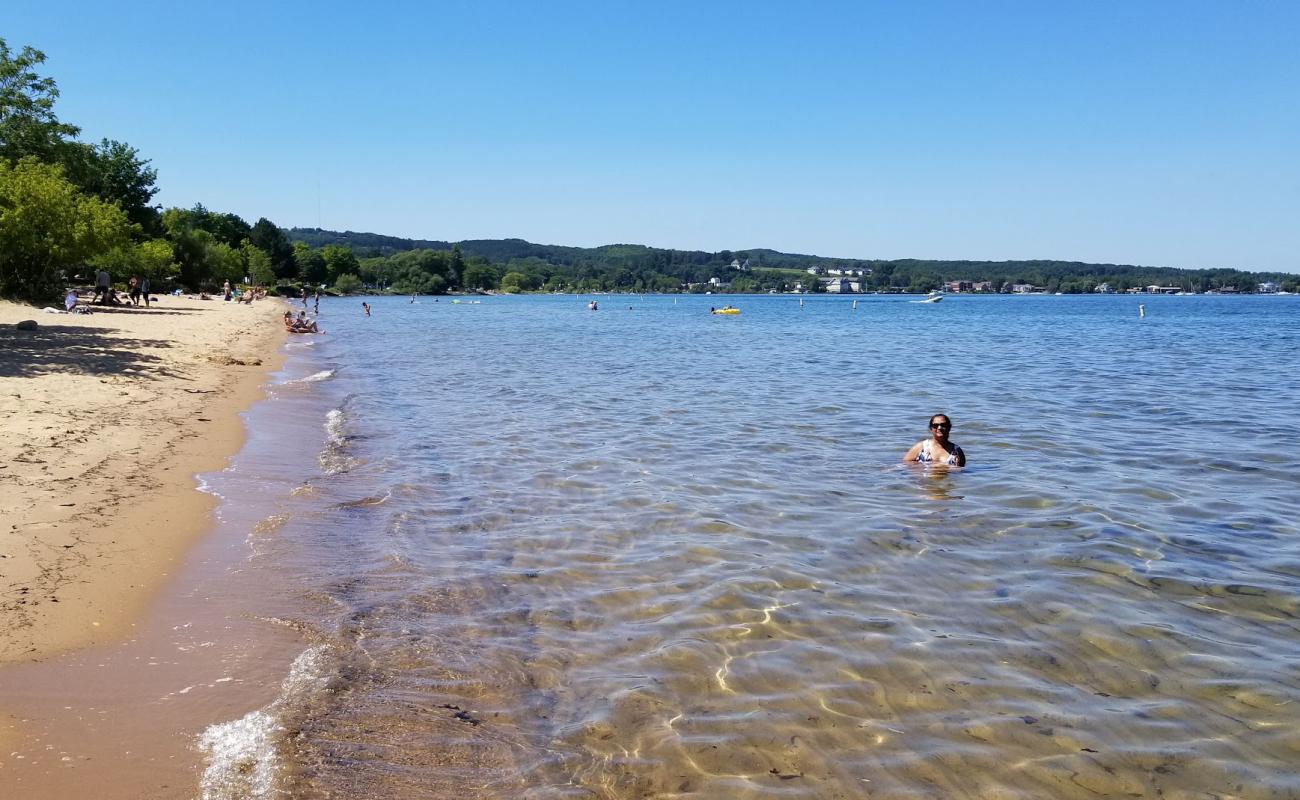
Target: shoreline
108,419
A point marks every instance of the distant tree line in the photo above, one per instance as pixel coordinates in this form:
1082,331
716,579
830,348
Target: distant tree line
516,265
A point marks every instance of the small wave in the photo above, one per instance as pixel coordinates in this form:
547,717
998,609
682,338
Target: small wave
317,377
373,500
270,524
323,375
334,421
242,753
334,458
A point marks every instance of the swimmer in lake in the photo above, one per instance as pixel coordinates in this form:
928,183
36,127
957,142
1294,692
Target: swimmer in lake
938,449
366,307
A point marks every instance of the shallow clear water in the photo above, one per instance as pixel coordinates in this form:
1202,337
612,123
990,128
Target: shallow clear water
542,552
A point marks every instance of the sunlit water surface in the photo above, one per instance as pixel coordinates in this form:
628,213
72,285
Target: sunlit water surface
543,552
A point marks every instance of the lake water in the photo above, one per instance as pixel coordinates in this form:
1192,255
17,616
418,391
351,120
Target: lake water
535,551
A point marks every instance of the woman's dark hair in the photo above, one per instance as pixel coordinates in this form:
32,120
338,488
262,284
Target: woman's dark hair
946,419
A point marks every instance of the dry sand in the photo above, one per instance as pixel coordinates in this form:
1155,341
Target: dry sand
106,420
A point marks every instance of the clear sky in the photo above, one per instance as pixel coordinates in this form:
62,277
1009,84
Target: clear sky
1152,133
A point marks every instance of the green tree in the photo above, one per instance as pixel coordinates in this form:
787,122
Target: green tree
224,263
47,226
338,260
152,259
514,282
275,244
28,125
257,264
479,276
114,171
347,283
311,263
457,266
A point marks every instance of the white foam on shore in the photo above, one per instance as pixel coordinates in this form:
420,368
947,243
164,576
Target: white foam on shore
334,426
323,375
243,760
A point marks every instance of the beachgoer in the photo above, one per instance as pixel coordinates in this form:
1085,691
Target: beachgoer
938,449
70,300
144,291
101,287
316,309
133,290
225,290
304,297
366,306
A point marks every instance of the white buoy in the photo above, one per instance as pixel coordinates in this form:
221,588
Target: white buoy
1142,311
801,302
855,305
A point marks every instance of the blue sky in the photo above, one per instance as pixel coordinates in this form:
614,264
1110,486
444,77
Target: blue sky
1150,133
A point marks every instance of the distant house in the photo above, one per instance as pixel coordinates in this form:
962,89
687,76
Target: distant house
1105,288
1153,289
715,282
816,270
850,272
1025,288
959,286
981,286
842,286
1267,287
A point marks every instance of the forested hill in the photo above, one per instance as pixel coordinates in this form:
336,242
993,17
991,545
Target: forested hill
387,260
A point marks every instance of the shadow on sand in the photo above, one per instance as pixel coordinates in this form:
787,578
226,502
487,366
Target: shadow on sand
73,349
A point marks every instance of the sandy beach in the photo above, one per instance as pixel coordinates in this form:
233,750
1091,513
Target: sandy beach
107,418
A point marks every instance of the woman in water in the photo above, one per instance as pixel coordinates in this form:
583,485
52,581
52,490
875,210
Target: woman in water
938,449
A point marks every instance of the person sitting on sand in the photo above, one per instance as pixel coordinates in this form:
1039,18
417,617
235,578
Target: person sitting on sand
70,300
938,449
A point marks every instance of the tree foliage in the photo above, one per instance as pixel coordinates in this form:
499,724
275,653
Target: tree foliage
48,227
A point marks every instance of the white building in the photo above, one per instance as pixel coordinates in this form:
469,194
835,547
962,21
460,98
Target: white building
842,286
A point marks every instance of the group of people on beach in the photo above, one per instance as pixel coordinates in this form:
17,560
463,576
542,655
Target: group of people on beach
300,323
137,291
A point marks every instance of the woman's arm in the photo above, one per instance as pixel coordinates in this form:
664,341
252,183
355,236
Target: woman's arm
914,452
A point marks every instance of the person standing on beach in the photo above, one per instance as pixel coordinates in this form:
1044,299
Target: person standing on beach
133,290
938,449
101,286
144,290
